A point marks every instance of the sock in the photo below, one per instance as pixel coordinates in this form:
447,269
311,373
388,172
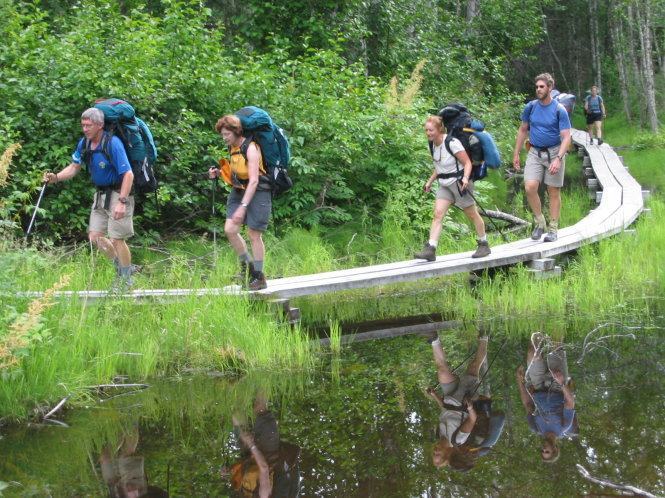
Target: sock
432,242
554,225
258,265
245,258
125,271
436,342
483,238
540,220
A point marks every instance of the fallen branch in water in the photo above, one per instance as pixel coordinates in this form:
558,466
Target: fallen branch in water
626,489
58,406
113,386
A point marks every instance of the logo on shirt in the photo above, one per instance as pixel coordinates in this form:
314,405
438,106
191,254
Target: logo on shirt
102,165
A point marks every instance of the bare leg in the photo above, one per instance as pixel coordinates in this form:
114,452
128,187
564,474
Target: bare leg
472,213
256,240
555,202
103,244
443,372
531,189
122,251
481,354
232,231
440,209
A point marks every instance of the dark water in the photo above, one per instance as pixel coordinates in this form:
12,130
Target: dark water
359,427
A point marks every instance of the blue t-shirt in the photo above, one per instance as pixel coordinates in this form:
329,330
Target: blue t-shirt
546,122
550,415
593,104
102,173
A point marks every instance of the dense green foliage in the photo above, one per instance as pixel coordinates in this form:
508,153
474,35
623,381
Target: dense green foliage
357,142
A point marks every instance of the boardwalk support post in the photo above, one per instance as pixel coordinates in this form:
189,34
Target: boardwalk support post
544,268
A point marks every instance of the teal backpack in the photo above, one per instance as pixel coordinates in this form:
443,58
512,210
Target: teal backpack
258,126
120,120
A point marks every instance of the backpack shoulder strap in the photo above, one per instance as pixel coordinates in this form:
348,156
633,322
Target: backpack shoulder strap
532,107
431,147
446,142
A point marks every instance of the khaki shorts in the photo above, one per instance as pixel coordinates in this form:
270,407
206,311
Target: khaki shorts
101,220
460,387
539,374
536,167
451,193
258,211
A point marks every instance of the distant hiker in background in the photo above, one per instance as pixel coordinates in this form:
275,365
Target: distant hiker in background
113,204
249,202
594,108
546,394
454,186
546,124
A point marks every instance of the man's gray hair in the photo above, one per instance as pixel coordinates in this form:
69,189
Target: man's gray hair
93,114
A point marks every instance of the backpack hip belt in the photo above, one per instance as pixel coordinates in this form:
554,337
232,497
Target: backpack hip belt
445,176
106,190
546,150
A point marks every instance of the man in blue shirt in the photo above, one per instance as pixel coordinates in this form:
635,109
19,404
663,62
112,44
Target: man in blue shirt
546,396
547,125
594,108
113,205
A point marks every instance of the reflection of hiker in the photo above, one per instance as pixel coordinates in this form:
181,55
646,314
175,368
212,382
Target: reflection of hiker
547,125
250,200
466,429
113,205
594,108
124,473
454,188
268,466
546,395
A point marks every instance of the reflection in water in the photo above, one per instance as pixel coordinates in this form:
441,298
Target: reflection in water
123,470
545,391
268,466
467,426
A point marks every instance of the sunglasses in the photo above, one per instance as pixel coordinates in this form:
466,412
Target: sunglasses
541,86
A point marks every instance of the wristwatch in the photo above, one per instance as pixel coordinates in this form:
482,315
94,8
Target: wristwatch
122,200
244,204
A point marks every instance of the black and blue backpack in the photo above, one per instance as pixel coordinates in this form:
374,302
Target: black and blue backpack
258,127
120,120
478,143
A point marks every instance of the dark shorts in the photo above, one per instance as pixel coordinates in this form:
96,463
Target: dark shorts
258,211
592,117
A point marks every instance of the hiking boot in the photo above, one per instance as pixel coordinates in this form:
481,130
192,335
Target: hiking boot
600,141
430,337
551,236
257,282
482,250
428,252
245,273
537,232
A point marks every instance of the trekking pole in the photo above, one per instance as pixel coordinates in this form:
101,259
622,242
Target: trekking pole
489,366
505,239
214,225
34,214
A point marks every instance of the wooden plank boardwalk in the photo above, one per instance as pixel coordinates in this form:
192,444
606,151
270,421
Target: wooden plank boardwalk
620,204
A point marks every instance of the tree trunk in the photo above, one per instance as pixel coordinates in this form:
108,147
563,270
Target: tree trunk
644,28
472,9
619,54
638,83
595,46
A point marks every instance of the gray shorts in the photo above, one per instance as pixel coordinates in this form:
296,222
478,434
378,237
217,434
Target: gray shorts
536,167
451,193
460,387
101,220
258,211
539,374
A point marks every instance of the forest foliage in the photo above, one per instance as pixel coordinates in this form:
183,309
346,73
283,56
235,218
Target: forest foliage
323,71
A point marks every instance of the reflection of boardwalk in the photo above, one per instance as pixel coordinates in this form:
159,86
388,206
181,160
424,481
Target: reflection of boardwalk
621,203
